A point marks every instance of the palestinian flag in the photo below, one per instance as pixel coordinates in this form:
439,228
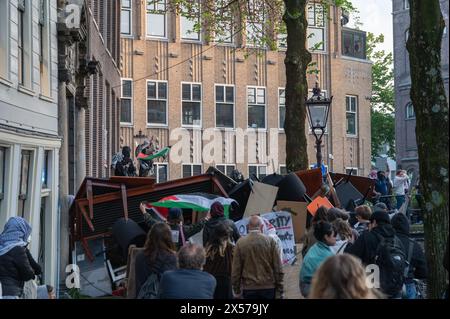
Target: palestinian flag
161,153
200,203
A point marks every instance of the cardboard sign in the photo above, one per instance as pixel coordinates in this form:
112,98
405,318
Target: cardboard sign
197,238
316,203
282,221
261,199
298,213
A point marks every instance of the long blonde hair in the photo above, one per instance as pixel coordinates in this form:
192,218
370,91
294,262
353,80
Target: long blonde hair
341,277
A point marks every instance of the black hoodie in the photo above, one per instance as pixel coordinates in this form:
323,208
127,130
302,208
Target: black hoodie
365,246
418,263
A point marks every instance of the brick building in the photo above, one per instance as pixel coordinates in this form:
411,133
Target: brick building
171,78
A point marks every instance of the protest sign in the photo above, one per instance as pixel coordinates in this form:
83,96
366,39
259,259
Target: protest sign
282,221
261,199
298,213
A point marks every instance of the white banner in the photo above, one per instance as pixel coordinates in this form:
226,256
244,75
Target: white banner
282,221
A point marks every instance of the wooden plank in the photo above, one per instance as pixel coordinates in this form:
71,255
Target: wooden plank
124,200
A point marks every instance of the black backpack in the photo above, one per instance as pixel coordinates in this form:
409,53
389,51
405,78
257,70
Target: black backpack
391,259
149,289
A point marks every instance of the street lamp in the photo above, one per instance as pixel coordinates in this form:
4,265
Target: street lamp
318,109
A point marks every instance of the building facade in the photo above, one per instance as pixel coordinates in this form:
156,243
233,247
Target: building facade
173,78
29,140
405,120
88,98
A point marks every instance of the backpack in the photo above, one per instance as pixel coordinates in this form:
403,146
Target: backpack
149,289
391,260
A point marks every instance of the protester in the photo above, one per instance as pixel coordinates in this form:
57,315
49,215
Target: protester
319,252
401,186
380,246
363,214
344,236
218,218
219,259
158,256
341,277
382,188
180,232
123,164
309,239
257,272
189,281
417,264
16,263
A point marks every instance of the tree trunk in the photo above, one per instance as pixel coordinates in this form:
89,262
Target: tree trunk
296,62
431,109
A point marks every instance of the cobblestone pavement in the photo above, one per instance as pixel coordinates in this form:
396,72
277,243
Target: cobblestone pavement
291,277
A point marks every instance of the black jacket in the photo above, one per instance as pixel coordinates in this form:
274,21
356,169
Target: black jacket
164,261
366,245
418,263
212,224
16,267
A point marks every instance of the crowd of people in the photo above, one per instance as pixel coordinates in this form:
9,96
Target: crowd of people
336,256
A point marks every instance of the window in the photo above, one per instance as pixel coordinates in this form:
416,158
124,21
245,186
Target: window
349,169
161,172
20,41
156,103
283,170
227,169
126,105
156,18
224,106
282,107
351,108
125,18
4,39
354,43
316,27
191,104
255,23
405,4
191,170
44,48
224,30
410,111
258,171
45,167
2,173
190,21
256,101
25,173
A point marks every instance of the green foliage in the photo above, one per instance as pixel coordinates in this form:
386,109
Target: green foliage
382,99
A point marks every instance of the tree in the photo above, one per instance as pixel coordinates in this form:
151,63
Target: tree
431,109
382,99
218,15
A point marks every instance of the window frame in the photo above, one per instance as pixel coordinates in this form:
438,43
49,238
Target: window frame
3,158
282,166
192,169
352,112
5,43
166,124
165,36
130,11
199,38
406,5
27,196
279,108
257,170
256,104
157,165
256,20
131,103
317,26
409,106
225,166
201,103
224,86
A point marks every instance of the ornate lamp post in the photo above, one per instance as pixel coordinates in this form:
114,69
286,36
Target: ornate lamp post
318,108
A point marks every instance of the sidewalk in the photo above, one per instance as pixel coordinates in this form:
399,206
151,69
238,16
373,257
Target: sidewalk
291,277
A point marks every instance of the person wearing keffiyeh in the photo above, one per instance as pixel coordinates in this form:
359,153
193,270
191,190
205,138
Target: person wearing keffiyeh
16,263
